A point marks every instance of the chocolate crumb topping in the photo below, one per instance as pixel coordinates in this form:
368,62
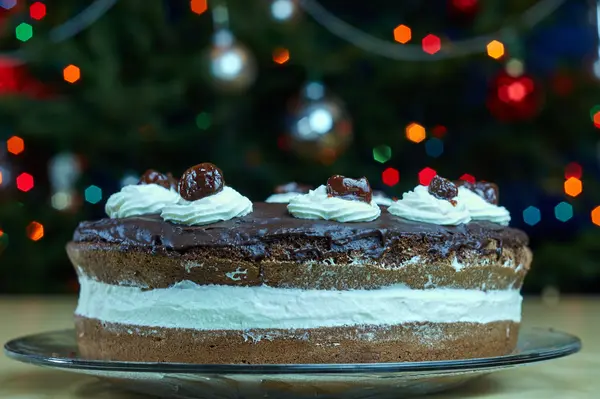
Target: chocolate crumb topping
293,187
152,176
443,189
349,189
200,181
486,190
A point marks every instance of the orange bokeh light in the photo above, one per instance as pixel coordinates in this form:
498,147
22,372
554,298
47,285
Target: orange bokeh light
0,177
198,6
596,216
597,119
281,55
402,34
573,186
15,145
71,73
35,231
495,49
415,132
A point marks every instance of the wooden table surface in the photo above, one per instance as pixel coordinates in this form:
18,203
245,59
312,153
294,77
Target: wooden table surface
576,376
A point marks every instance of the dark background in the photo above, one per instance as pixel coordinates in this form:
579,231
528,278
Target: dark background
147,98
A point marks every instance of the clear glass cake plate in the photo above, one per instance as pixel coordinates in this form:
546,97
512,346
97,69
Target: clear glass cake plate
58,349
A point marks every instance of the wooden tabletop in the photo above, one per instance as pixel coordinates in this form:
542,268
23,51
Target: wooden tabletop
576,376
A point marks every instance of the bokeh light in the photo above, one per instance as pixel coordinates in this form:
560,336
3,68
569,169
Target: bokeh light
439,131
563,211
596,216
415,132
71,73
282,10
15,145
3,240
532,215
0,177
573,186
203,120
37,10
426,175
390,177
382,153
198,6
93,194
25,182
402,34
8,4
467,177
24,31
431,44
495,49
35,231
281,55
61,200
514,67
434,147
573,169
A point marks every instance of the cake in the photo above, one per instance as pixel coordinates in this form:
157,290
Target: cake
193,272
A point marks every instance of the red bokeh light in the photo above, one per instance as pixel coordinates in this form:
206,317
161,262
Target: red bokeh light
515,91
439,131
426,175
24,182
431,44
35,231
573,169
464,5
37,10
390,177
468,177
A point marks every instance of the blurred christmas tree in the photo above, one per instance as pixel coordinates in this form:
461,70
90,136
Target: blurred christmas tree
283,90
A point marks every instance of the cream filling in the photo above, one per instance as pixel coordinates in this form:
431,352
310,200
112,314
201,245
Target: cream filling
219,307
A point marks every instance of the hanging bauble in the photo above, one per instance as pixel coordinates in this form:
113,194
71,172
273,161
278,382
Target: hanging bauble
284,10
232,67
514,98
319,126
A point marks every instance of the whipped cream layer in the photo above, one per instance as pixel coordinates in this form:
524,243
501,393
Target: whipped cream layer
218,307
282,198
318,205
419,205
142,199
224,205
480,209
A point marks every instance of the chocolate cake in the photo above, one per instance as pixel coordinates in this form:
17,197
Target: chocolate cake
277,283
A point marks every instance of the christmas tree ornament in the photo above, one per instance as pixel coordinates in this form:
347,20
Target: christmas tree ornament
319,127
514,98
232,67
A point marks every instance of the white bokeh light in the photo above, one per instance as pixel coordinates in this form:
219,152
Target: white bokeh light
320,121
282,10
228,65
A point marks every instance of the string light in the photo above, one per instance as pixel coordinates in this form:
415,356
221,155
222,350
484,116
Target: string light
37,10
573,169
390,177
93,194
573,186
71,73
563,211
24,31
467,177
25,182
35,231
415,132
382,153
596,216
495,49
198,6
281,55
431,44
426,175
402,34
15,145
532,215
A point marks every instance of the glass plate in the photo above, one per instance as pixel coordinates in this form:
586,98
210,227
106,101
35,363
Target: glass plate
58,349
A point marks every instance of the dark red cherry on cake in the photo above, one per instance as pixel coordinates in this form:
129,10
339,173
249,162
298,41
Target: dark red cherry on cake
350,189
443,189
152,176
200,181
293,187
486,190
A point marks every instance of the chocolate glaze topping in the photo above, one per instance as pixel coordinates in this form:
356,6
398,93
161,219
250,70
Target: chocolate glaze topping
293,187
271,222
200,181
152,176
350,189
